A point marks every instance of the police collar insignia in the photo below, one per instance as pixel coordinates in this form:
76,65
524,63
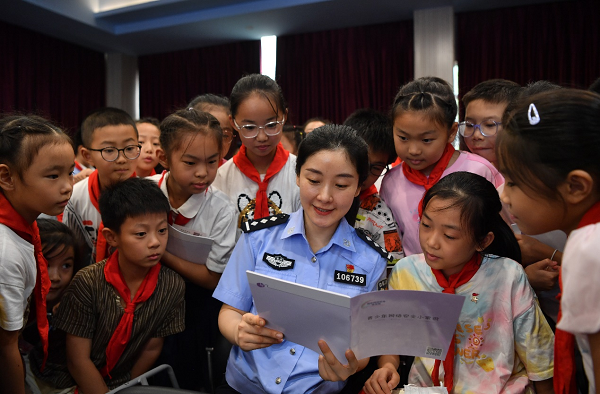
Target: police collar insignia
266,222
278,261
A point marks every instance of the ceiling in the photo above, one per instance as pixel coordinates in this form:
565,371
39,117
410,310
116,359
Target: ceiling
169,25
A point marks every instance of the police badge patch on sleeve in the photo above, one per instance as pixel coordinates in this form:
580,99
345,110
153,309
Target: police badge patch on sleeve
278,261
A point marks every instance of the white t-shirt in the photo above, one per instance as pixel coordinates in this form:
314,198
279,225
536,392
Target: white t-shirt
282,189
502,339
17,278
579,302
82,217
213,216
402,196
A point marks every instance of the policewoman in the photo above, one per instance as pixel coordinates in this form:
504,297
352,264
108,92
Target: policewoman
315,246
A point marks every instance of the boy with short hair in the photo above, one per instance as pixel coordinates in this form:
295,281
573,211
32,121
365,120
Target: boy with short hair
111,145
484,106
128,292
374,216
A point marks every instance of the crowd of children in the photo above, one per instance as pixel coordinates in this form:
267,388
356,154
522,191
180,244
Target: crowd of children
90,297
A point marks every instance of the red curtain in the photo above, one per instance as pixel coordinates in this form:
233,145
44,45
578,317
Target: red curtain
333,73
169,81
52,78
554,41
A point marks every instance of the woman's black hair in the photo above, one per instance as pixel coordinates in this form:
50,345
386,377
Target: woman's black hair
188,121
431,95
480,206
547,136
334,137
56,237
262,85
22,137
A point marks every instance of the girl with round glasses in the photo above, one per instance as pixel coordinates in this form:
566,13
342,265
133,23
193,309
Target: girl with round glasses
260,177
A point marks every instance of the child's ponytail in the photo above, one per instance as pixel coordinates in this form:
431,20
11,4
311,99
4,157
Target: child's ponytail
431,95
480,207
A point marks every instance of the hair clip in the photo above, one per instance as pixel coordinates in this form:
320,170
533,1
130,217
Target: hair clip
190,109
533,115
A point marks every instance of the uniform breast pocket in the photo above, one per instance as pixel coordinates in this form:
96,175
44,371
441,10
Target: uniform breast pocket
290,277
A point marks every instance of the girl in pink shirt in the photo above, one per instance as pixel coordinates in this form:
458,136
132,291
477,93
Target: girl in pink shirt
424,113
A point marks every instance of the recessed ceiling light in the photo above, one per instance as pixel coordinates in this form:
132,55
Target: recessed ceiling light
110,5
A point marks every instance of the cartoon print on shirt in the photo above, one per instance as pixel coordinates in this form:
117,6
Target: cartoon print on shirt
468,351
392,241
246,206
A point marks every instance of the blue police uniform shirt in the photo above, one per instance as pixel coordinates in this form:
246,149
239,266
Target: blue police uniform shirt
282,251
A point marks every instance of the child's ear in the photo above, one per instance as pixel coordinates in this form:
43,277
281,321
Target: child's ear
489,238
7,181
298,180
162,158
110,236
358,190
232,124
79,150
453,131
578,186
87,155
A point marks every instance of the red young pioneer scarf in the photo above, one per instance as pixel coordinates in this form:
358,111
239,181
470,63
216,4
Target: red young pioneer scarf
120,338
30,233
564,342
366,193
450,285
417,177
247,168
180,220
94,192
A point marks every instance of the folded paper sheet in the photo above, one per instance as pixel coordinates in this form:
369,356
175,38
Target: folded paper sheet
415,323
187,246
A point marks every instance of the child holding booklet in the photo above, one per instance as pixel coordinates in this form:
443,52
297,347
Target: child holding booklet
192,143
307,247
502,343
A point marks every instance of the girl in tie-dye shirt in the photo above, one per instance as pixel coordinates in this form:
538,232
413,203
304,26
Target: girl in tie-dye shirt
502,343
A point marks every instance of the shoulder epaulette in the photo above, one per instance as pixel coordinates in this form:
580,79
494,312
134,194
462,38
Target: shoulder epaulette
269,221
369,241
